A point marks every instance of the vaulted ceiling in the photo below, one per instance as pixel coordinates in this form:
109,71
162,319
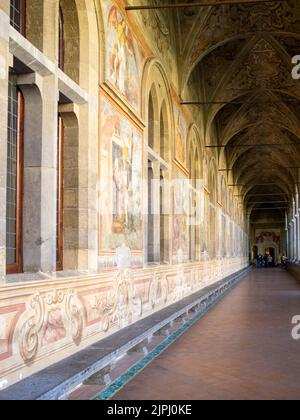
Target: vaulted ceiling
242,54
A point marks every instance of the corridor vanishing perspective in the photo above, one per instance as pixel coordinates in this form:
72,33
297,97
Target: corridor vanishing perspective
149,166
253,357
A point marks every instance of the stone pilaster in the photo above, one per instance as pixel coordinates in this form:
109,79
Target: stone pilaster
4,65
40,150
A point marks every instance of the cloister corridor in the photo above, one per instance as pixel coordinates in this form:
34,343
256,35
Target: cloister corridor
241,350
149,200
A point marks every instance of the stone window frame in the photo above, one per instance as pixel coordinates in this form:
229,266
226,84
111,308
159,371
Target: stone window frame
17,266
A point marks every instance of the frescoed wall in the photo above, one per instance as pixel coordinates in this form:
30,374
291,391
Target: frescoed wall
262,236
268,240
120,178
181,136
108,162
181,208
124,57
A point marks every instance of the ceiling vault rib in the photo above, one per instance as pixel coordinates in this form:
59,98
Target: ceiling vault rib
281,167
215,146
208,103
266,202
268,194
257,185
200,4
271,208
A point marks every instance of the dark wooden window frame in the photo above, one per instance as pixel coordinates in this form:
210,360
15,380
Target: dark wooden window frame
60,193
18,266
61,41
22,23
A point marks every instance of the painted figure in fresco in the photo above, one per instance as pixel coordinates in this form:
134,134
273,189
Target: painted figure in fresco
180,150
123,50
121,166
122,172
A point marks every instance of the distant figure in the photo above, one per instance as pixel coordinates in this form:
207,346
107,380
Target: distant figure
265,258
284,261
259,261
270,261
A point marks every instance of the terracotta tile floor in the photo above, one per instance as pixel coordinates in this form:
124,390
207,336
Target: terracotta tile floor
241,349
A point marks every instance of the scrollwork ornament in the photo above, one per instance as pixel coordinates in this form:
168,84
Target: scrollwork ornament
123,304
29,336
75,317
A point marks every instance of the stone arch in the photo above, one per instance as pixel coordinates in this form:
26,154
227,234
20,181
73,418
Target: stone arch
164,133
91,44
153,118
195,148
157,112
72,38
155,77
195,166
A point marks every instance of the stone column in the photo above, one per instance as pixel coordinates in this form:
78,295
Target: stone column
294,240
87,186
4,64
156,209
291,241
40,172
297,237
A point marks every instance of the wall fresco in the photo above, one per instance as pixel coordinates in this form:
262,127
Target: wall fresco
120,197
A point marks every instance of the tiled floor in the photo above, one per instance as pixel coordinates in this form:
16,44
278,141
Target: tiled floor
241,349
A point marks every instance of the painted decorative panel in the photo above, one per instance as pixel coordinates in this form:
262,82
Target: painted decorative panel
181,211
181,136
124,57
262,236
120,195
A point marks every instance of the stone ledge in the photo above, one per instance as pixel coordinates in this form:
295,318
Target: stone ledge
58,380
38,62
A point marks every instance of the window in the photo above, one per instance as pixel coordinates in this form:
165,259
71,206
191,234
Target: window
14,178
60,191
17,15
61,41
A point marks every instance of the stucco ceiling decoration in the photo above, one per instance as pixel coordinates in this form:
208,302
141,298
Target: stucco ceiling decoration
243,53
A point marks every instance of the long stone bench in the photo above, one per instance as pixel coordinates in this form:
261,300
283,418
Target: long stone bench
56,381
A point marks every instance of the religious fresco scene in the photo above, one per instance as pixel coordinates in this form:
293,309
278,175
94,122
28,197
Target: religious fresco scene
149,203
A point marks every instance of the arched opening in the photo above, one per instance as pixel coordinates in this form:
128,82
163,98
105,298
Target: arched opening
151,122
150,238
69,39
192,195
212,213
61,40
224,217
60,193
164,133
164,190
162,230
33,231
